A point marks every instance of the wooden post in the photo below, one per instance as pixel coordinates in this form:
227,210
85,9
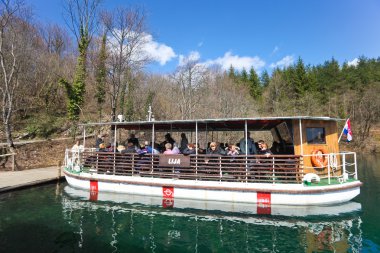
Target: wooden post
13,162
59,169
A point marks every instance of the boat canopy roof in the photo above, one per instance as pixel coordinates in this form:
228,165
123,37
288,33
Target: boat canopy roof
227,124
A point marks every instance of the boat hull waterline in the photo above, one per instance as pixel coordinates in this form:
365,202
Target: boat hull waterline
228,208
238,192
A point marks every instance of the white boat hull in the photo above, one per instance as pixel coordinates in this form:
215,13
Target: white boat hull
228,207
236,192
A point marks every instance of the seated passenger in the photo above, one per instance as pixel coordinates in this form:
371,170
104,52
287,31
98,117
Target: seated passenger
233,150
130,148
168,149
149,148
214,149
189,150
176,149
99,140
102,147
263,148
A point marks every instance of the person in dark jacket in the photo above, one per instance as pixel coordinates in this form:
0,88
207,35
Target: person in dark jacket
214,149
189,150
134,140
184,142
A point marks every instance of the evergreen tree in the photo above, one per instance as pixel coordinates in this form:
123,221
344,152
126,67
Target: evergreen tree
244,76
264,79
301,83
231,73
254,84
101,70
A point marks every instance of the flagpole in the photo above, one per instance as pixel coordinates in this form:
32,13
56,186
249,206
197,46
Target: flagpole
342,131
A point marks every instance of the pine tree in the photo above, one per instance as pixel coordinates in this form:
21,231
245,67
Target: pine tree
254,84
231,73
244,76
264,79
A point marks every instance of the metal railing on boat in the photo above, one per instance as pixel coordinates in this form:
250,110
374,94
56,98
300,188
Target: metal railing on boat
242,168
341,166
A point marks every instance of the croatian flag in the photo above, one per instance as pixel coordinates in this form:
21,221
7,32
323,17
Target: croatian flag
347,130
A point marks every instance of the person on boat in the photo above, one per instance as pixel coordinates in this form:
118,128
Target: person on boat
263,148
142,150
102,147
214,149
149,148
168,139
110,147
134,140
99,140
233,150
184,142
189,150
176,149
250,148
131,148
168,149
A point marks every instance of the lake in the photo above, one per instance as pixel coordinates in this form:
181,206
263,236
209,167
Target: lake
58,218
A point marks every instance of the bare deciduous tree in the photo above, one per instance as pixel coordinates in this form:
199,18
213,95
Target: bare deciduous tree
16,40
127,37
189,80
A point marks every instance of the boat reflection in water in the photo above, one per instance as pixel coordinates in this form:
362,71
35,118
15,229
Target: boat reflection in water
119,222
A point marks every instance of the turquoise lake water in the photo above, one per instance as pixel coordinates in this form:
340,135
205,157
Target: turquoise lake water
58,218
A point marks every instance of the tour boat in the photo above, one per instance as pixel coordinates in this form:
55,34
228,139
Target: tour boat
304,167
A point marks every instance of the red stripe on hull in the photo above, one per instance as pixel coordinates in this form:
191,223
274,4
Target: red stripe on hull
264,203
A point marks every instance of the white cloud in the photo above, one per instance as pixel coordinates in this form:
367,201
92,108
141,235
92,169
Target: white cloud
144,47
284,62
275,50
158,52
353,63
193,56
237,62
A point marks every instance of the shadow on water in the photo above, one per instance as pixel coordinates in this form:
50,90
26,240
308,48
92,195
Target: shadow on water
63,219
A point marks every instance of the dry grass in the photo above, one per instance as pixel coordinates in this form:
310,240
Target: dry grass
39,155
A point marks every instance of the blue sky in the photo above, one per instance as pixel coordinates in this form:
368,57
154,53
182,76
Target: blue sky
262,34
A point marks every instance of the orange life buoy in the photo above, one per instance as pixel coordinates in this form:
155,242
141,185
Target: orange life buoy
319,158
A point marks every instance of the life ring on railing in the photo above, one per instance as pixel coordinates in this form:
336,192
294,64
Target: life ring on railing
319,158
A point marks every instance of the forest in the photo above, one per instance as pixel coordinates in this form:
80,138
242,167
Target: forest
53,77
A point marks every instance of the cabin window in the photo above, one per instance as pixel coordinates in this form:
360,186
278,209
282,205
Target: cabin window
315,135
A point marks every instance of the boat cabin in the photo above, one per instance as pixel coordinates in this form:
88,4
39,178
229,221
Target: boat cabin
299,145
